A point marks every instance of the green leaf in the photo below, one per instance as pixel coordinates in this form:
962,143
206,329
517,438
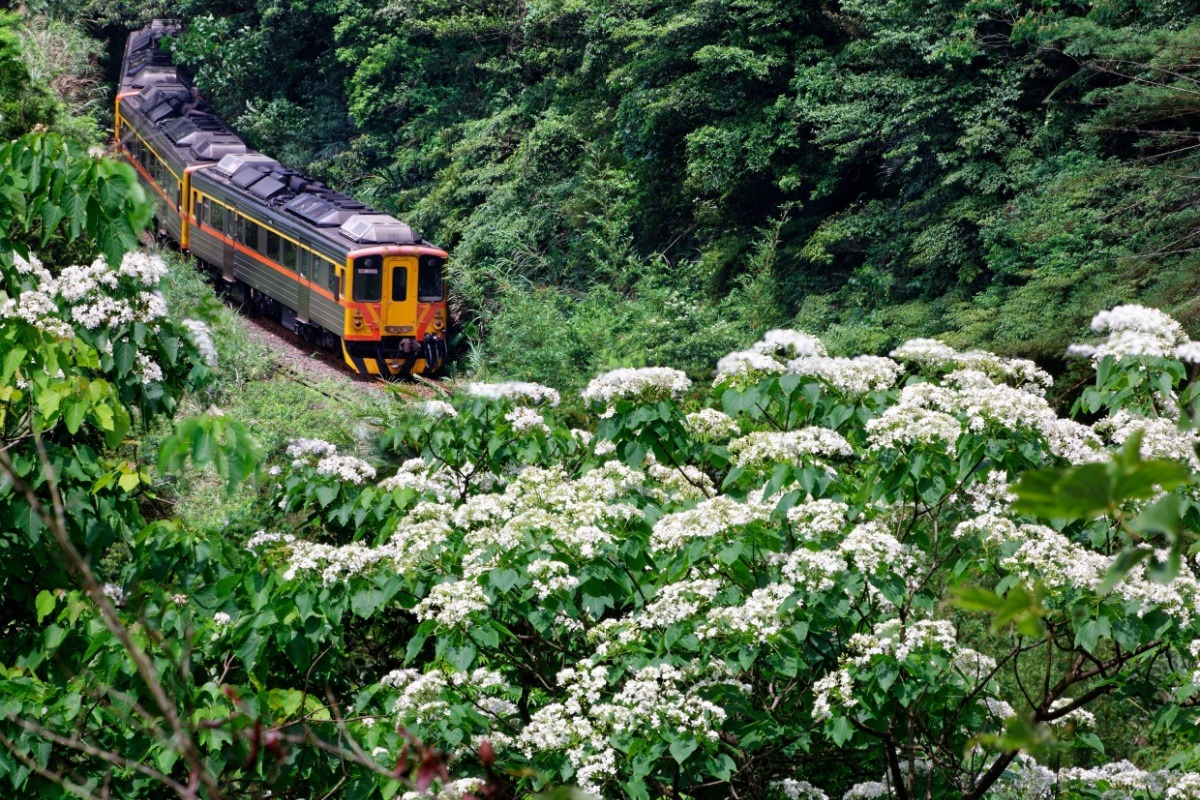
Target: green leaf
503,579
1163,516
682,748
973,598
1125,561
44,603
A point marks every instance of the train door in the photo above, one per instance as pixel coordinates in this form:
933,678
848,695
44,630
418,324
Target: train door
400,292
228,221
305,265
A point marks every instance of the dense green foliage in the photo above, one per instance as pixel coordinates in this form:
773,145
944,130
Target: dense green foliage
48,78
998,168
707,590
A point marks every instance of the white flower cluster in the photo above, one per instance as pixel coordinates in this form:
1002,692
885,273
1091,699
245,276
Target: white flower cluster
790,344
684,482
201,337
453,603
799,790
437,408
925,353
657,698
524,420
935,355
87,296
648,384
515,392
709,519
422,478
351,469
935,414
264,538
454,790
1133,331
853,377
1065,567
148,369
760,617
991,494
302,451
420,701
816,520
1122,778
419,537
814,570
907,424
551,577
868,790
711,425
143,267
1161,438
1080,717
677,602
36,307
898,641
765,449
746,367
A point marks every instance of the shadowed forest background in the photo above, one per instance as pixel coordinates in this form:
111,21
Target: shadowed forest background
658,182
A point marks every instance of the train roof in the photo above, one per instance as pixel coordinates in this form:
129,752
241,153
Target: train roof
165,99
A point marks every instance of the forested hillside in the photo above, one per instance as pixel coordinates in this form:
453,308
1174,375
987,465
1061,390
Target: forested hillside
652,182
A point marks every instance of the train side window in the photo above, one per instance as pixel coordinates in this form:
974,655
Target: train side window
218,217
250,234
429,279
399,284
334,282
305,263
367,285
273,242
289,256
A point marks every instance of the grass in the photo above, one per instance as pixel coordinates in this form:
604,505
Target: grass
252,389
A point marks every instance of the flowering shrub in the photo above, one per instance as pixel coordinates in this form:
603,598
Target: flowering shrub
776,585
87,354
723,591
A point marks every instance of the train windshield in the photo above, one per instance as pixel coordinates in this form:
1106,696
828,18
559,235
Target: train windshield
429,279
368,279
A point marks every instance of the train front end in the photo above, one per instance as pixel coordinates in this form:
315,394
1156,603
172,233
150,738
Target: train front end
395,314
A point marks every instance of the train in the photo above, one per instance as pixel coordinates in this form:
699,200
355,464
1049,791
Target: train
332,270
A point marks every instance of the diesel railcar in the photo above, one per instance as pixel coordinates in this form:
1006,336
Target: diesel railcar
329,268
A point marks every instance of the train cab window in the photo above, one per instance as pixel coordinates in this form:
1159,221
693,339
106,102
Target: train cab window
429,279
399,284
289,256
368,279
273,242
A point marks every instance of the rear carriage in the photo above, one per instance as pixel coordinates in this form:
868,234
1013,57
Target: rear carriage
327,267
